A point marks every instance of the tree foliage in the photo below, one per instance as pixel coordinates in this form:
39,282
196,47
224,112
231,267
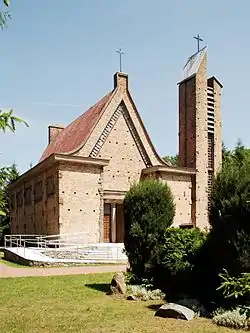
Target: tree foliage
7,176
9,121
175,262
4,15
228,244
173,160
237,287
148,210
230,197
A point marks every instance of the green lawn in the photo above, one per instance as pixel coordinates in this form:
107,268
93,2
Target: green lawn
75,304
8,263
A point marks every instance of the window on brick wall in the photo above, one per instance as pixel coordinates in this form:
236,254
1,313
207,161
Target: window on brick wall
210,184
210,150
50,185
27,195
19,198
38,191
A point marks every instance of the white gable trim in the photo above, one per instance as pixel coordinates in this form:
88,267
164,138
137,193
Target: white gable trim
121,110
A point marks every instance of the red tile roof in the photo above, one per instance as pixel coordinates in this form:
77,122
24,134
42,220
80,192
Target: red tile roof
76,133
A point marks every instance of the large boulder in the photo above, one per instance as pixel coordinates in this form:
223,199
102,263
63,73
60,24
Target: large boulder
177,311
131,298
118,285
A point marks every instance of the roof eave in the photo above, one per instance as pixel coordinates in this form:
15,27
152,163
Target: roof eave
168,169
216,80
186,79
81,160
56,158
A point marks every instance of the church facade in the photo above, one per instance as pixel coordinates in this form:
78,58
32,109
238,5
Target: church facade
80,182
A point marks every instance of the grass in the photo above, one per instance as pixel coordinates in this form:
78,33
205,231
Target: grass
76,304
8,263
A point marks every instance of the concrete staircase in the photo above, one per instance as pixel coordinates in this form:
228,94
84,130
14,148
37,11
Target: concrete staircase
65,248
92,252
81,254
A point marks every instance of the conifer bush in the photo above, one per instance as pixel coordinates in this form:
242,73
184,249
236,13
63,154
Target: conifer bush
228,244
149,210
173,267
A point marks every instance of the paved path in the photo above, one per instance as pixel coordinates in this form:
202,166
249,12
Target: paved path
7,271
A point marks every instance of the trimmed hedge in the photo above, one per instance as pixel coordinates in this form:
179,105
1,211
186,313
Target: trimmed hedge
148,210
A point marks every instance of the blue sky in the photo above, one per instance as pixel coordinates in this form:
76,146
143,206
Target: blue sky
58,58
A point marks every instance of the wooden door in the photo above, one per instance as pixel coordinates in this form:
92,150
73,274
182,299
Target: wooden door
107,224
107,229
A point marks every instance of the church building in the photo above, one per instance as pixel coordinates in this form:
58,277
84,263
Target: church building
80,182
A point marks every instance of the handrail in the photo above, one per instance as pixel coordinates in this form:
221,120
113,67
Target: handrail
76,246
64,235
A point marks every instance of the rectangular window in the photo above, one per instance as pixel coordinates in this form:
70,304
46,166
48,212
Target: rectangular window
38,191
107,209
210,150
19,198
27,195
210,184
50,186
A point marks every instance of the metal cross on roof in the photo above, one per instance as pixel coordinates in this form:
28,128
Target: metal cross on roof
198,41
121,52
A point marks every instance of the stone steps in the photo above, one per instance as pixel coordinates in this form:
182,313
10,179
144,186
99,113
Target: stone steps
88,253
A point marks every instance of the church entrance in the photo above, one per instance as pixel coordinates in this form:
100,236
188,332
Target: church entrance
107,223
113,223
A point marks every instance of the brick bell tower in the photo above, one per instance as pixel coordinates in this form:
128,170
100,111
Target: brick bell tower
200,131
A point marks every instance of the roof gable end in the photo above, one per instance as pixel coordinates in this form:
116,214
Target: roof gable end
76,133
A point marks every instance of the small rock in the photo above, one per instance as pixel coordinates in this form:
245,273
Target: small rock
172,310
113,290
118,285
128,268
131,298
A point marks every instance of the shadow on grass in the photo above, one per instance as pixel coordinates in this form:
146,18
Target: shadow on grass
103,287
154,307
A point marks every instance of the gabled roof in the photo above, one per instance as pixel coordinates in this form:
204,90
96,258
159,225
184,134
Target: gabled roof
193,64
76,133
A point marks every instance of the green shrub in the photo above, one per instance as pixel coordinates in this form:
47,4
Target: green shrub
235,287
228,244
238,318
231,190
173,270
143,294
221,250
148,210
179,247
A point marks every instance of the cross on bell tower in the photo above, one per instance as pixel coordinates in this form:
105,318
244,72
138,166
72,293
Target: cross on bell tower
198,38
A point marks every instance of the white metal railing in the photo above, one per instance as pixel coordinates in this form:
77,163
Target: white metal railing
21,241
17,240
65,245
